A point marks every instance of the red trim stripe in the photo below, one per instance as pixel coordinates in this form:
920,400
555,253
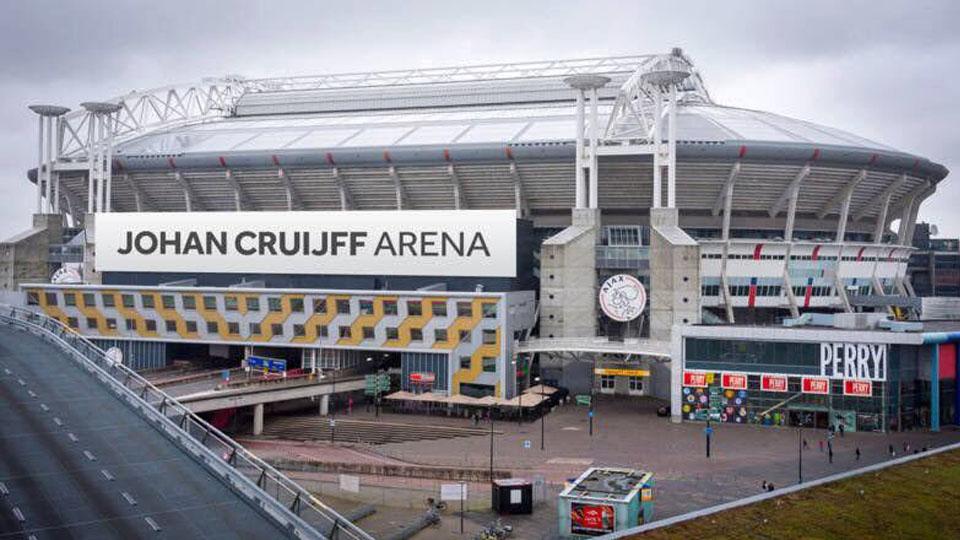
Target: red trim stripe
860,254
806,296
743,151
329,158
752,299
816,154
756,251
508,152
816,253
446,154
223,162
386,156
172,163
275,159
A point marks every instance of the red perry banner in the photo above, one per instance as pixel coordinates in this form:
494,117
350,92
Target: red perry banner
734,381
815,385
773,383
694,378
858,388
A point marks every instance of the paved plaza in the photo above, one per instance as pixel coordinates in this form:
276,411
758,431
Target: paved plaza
628,433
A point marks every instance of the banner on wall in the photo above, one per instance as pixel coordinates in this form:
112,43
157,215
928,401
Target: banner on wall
734,381
815,385
858,388
476,243
695,378
592,519
773,383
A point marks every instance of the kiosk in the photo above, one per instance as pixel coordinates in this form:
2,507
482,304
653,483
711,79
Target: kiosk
603,500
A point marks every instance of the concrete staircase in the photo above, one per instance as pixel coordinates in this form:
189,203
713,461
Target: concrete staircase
306,428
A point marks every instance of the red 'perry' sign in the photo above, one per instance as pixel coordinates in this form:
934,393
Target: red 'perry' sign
734,381
857,388
815,385
694,378
773,383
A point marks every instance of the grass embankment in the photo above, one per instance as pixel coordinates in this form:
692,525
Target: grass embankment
920,499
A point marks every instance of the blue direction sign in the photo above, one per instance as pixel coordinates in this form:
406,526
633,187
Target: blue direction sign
267,364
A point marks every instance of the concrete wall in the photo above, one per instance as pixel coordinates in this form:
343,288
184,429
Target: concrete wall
568,279
24,257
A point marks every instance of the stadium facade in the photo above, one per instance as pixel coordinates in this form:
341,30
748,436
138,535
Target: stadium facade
610,166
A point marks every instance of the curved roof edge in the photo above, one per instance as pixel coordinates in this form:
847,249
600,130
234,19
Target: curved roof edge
423,155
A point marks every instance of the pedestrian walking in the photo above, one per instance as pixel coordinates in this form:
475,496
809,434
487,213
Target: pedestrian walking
763,486
821,446
890,450
830,455
805,445
841,429
770,487
858,453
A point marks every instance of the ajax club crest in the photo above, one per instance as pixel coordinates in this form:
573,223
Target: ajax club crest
623,297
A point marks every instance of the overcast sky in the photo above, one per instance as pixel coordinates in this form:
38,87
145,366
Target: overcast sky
889,71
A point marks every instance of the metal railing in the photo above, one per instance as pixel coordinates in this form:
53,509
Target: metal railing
278,497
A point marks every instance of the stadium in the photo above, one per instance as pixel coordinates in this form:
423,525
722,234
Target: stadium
595,168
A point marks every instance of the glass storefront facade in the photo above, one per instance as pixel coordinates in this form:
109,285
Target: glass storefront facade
894,403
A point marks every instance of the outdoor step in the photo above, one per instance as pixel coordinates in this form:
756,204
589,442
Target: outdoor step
365,431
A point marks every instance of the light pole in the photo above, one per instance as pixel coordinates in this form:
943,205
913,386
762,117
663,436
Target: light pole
490,412
333,409
708,432
519,395
800,453
543,414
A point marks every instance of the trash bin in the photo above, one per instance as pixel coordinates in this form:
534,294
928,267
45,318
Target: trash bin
513,496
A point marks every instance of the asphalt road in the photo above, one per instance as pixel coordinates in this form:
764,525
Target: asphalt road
75,462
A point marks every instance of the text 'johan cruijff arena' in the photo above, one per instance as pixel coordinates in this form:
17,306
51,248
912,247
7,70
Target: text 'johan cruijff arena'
589,169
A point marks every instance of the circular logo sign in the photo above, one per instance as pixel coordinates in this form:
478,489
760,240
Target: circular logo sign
66,275
622,297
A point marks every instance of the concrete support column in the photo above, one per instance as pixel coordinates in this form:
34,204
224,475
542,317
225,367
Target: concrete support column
325,405
657,164
580,183
258,419
935,388
594,160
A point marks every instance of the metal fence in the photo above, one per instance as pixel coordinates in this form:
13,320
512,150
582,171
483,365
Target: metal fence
277,496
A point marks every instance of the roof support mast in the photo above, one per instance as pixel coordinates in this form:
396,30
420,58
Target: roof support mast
49,123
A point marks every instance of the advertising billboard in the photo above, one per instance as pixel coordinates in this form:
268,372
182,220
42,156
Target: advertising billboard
475,243
734,381
592,519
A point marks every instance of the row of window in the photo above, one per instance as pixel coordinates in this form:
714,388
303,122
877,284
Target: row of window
274,304
440,335
814,291
739,256
609,382
489,363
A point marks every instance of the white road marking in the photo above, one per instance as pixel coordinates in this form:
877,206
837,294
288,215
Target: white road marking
21,382
32,393
106,474
73,437
44,407
3,489
7,371
129,498
18,514
153,524
57,421
89,455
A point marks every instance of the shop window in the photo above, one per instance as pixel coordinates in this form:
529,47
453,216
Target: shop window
90,300
465,362
416,334
92,323
70,299
213,327
127,300
230,303
464,309
489,337
131,324
440,335
109,300
414,308
72,322
151,325
192,327
209,302
276,329
489,311
233,328
253,303
366,307
296,305
320,305
51,298
343,307
322,330
345,332
299,330
635,384
490,364
189,302
254,329
393,333
607,382
368,332
439,309
171,326
390,307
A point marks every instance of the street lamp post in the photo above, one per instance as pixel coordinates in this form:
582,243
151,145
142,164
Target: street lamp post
333,409
519,396
490,412
708,432
800,454
543,414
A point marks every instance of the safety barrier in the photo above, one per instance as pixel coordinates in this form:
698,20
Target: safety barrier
277,496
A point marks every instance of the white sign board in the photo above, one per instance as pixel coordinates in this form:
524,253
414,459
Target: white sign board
453,492
861,361
350,483
623,297
481,243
